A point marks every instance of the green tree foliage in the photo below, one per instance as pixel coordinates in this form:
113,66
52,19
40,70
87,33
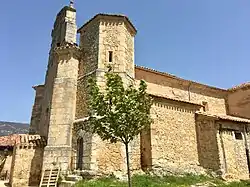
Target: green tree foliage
118,114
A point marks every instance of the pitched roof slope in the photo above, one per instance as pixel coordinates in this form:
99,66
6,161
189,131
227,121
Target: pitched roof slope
240,86
109,15
224,117
168,75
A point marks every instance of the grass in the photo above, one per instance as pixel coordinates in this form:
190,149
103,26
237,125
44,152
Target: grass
168,181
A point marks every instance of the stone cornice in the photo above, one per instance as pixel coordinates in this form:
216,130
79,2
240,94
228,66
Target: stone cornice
118,17
38,86
177,100
69,50
99,70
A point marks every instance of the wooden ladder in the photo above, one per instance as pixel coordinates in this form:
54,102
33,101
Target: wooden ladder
50,177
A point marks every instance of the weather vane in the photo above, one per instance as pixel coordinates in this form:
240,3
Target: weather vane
71,4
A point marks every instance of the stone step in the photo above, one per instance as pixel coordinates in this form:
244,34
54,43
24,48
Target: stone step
65,183
73,178
86,173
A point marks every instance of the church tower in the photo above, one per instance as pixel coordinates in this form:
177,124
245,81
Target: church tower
108,39
59,103
105,40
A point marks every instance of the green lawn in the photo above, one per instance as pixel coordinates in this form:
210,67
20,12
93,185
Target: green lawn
168,181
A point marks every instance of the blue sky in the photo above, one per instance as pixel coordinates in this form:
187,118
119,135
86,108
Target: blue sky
206,41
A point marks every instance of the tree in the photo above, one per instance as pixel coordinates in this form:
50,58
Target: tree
118,114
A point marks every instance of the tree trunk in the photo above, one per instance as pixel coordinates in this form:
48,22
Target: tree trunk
128,164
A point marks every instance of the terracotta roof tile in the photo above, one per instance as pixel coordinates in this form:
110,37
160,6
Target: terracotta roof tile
8,140
176,99
21,139
240,86
224,117
111,15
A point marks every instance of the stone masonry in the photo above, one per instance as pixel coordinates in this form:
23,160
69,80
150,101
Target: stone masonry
196,127
26,163
239,101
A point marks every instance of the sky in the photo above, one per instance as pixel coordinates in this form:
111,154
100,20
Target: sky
205,41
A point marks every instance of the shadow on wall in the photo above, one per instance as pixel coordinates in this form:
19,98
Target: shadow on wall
82,148
207,146
36,167
5,163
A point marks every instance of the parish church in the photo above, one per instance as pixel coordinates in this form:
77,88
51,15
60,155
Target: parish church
196,128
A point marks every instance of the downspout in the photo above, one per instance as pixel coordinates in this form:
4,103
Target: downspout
223,149
189,96
247,148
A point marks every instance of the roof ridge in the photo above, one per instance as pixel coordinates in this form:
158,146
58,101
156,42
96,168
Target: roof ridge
240,86
108,14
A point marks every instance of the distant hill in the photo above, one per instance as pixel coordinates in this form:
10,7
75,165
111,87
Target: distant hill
7,128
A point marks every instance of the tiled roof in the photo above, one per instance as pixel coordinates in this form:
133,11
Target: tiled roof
22,139
8,140
178,78
244,85
224,117
111,15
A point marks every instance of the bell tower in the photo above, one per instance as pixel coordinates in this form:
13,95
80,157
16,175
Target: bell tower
60,90
105,40
108,39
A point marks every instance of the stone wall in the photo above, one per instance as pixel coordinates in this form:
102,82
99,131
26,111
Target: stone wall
62,112
26,166
81,140
110,157
239,103
232,151
61,86
5,173
116,38
173,87
207,144
64,31
89,43
102,35
64,27
173,136
145,149
48,91
37,110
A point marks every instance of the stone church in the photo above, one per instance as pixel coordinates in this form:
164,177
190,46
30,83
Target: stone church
196,127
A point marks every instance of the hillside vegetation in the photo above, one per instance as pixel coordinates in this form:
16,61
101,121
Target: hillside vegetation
7,128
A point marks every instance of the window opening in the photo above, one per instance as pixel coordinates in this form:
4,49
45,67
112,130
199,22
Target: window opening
238,136
205,106
110,56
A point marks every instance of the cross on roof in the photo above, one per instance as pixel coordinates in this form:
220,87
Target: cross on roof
71,4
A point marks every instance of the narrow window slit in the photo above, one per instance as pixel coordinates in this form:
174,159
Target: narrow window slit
238,136
110,56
